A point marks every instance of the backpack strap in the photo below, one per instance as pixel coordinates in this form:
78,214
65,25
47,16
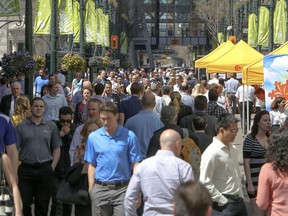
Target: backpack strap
185,133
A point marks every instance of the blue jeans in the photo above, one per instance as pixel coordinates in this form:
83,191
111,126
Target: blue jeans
232,208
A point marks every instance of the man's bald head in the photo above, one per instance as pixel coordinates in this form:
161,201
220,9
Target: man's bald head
171,140
87,84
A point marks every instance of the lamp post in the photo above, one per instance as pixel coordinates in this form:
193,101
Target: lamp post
271,30
28,44
82,28
53,33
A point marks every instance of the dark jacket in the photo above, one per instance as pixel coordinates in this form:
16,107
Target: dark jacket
64,161
154,144
6,104
187,122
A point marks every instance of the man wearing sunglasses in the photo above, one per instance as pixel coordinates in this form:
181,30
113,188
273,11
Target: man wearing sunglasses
66,131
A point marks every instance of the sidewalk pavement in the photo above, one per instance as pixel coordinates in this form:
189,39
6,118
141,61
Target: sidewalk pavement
238,142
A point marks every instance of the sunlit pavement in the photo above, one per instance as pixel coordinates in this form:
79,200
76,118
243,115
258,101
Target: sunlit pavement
238,142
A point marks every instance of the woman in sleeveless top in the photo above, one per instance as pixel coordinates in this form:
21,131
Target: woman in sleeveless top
254,149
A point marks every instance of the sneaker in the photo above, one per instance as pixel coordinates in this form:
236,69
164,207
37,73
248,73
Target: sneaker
2,197
2,210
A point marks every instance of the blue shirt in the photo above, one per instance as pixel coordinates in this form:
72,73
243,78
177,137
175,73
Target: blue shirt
144,124
130,106
112,155
39,83
7,132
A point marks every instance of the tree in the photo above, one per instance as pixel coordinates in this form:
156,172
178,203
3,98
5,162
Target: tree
212,13
217,15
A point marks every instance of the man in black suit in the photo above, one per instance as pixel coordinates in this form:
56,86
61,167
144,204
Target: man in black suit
199,125
8,101
200,106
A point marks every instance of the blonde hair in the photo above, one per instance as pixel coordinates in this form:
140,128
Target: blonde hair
22,107
84,132
198,90
175,100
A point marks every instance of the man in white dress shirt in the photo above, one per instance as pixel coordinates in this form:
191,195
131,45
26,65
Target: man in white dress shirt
158,177
219,169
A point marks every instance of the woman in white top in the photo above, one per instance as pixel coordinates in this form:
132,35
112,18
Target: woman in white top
278,113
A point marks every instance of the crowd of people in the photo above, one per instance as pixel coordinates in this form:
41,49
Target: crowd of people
125,131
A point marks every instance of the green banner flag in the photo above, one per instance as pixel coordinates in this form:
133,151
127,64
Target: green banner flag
99,13
123,42
90,22
65,8
220,37
279,22
76,21
9,8
263,29
252,30
106,36
42,20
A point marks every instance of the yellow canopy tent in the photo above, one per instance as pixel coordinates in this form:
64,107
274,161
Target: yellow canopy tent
215,54
235,59
252,74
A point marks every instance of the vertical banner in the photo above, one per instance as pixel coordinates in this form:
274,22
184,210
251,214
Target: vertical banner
42,20
263,31
106,36
279,22
76,21
252,30
65,11
9,8
275,77
90,22
220,37
123,43
99,13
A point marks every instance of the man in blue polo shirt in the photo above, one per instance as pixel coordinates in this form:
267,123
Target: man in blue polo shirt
115,151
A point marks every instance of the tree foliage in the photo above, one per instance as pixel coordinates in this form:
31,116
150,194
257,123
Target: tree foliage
212,12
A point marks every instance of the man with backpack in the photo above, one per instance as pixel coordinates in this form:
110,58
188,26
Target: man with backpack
152,174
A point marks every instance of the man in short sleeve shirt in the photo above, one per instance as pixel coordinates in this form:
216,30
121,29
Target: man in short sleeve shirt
39,143
115,151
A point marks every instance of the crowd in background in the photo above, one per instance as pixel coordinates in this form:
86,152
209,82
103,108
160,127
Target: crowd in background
146,114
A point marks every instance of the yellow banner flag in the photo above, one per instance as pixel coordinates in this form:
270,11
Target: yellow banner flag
263,29
76,21
42,20
252,30
220,36
279,22
90,22
65,8
99,14
106,36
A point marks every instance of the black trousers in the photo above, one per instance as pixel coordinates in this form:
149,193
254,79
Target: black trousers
35,182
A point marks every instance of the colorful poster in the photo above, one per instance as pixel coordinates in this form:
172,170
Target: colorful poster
42,20
252,30
279,22
275,77
9,8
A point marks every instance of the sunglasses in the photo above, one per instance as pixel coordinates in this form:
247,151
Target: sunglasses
65,121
